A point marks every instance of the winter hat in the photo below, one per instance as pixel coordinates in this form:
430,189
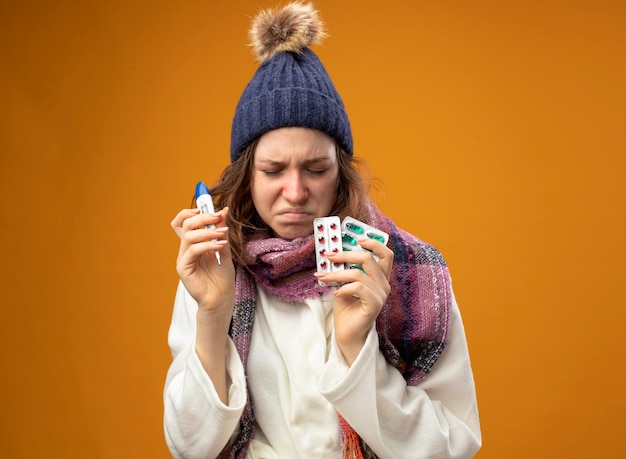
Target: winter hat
291,87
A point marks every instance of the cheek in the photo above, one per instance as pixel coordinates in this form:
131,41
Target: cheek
262,192
327,193
255,188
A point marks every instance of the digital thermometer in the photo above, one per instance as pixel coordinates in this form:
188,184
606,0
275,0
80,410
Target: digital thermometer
205,204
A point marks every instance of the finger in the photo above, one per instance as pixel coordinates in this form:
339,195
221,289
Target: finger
179,219
195,251
363,258
370,274
384,253
200,221
350,256
204,234
198,242
370,297
352,275
217,219
199,254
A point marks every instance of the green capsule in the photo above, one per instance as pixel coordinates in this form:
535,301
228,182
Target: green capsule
376,237
355,228
359,267
349,239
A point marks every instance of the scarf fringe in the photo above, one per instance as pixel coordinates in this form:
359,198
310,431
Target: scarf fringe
351,440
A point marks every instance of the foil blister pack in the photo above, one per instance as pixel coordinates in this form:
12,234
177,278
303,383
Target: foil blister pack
331,235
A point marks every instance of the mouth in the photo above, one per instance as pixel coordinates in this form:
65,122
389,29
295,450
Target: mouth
295,214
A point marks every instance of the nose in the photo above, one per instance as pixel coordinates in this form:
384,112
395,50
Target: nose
294,189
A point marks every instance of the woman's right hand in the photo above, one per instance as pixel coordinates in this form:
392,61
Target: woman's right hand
210,284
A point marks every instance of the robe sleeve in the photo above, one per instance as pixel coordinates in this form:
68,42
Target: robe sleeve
438,418
196,423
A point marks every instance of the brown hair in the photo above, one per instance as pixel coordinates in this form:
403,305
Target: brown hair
232,190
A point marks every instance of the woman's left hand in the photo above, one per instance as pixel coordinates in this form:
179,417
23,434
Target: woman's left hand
362,295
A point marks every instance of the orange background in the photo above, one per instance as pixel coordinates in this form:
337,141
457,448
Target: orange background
496,128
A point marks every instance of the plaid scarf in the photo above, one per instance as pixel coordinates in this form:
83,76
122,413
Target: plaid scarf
412,325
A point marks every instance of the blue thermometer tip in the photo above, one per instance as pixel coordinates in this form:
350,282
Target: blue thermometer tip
201,189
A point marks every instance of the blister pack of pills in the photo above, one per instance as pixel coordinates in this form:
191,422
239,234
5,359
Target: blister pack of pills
331,235
327,231
352,229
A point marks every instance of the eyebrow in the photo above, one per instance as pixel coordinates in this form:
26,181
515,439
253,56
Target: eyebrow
273,162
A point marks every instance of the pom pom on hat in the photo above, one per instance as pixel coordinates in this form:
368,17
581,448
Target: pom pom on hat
292,28
291,87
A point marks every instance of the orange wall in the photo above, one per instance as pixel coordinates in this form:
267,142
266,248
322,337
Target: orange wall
496,128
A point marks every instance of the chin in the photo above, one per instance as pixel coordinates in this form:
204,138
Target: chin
294,232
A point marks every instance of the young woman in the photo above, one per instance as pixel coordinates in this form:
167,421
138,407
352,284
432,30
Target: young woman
268,362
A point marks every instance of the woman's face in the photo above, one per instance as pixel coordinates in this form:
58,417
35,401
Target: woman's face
294,179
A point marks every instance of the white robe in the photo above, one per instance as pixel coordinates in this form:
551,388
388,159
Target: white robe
298,380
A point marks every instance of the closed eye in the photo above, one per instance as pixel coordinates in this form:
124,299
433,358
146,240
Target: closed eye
272,172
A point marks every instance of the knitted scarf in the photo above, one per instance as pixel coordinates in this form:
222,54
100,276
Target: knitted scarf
412,325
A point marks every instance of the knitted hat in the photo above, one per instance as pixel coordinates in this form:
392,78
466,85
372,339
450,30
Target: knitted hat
291,87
